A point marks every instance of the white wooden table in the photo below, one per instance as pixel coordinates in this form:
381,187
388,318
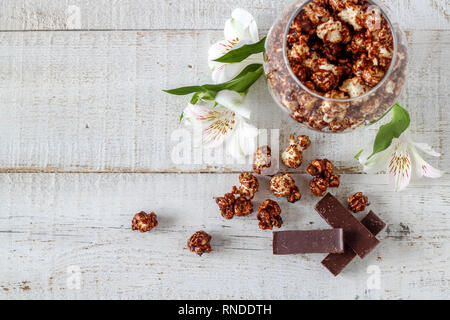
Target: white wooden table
85,142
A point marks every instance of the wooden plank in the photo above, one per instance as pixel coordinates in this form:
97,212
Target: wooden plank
52,222
92,101
195,14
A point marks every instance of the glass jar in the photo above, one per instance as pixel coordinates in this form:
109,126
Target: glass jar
312,109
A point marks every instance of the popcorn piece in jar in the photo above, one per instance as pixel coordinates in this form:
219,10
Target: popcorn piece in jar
380,54
330,31
316,121
358,202
292,157
226,205
373,19
284,185
300,71
346,34
322,3
303,24
332,51
334,111
358,45
248,185
325,80
314,62
360,65
199,243
353,15
269,215
355,87
262,160
339,5
316,13
310,85
372,75
336,94
144,222
300,49
384,36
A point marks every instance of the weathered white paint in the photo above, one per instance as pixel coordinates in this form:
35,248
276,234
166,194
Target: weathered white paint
49,222
185,14
92,101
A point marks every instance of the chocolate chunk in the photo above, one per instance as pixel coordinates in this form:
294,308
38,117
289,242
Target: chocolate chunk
373,223
308,241
356,235
336,262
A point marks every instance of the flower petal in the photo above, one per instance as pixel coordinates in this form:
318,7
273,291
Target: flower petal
233,101
400,167
215,124
242,27
242,142
427,149
377,163
422,168
219,49
407,136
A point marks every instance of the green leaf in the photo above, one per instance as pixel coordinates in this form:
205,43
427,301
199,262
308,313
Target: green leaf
399,123
242,53
359,154
184,90
241,83
204,95
181,116
245,80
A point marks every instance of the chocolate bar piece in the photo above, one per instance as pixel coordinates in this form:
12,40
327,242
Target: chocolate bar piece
373,223
336,262
356,235
308,241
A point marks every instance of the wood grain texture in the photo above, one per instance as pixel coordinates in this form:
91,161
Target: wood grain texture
186,14
49,222
92,101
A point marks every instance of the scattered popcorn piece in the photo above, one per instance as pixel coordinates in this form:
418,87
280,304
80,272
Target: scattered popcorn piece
262,160
144,222
284,185
292,157
248,185
269,215
243,207
358,202
199,243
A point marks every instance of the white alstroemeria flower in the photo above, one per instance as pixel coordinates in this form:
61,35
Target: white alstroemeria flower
401,161
240,30
223,121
